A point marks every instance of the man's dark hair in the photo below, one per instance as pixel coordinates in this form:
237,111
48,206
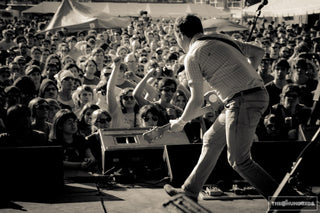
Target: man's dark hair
14,113
167,82
281,62
188,25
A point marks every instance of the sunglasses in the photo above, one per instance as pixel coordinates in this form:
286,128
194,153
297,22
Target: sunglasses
167,89
68,79
88,113
126,98
104,120
52,65
154,118
143,61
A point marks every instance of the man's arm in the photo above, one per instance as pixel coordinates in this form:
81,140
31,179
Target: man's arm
195,101
253,52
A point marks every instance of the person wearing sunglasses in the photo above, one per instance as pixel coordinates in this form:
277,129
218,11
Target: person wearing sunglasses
101,120
123,108
166,90
152,115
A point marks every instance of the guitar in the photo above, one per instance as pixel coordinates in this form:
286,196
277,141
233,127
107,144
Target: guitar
158,131
213,103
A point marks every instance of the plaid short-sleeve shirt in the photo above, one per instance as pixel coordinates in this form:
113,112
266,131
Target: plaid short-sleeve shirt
225,68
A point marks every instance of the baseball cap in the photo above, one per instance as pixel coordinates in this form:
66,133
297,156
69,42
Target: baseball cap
281,62
64,74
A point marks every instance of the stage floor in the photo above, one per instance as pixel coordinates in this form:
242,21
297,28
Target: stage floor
86,198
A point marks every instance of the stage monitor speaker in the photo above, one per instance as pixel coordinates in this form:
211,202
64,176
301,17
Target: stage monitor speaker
136,165
35,171
275,157
127,146
181,159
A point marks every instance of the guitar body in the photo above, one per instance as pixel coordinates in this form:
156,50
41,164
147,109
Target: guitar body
155,133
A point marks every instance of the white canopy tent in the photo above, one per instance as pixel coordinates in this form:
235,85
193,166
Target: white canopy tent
222,25
73,15
283,8
155,10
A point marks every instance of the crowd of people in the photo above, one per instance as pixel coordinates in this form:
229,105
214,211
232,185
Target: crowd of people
61,87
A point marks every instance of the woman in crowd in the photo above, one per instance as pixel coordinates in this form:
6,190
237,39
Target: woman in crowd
90,70
125,109
77,154
101,120
39,108
85,119
152,115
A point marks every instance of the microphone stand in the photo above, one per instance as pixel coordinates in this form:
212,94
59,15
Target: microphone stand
258,13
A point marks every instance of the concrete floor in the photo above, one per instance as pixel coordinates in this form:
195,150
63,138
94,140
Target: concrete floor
85,198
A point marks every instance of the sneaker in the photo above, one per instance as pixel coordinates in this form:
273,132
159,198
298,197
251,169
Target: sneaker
175,191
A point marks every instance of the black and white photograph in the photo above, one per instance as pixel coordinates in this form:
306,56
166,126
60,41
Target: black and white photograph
159,106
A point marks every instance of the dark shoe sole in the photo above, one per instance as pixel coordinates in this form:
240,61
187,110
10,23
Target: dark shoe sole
171,191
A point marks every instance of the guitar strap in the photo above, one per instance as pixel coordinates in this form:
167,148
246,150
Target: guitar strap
227,41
